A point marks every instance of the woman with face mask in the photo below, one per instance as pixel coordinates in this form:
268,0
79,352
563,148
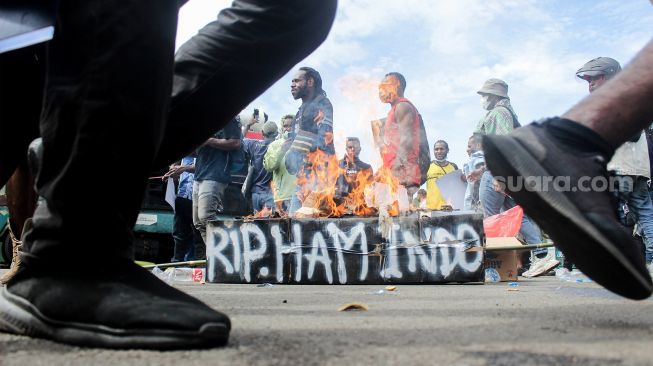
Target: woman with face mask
501,119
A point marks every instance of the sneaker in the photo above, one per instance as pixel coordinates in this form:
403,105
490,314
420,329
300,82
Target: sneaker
583,224
542,266
123,306
16,253
15,262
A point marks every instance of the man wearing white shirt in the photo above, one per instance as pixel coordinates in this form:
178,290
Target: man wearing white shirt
630,162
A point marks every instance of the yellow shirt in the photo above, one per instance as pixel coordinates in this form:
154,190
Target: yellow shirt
434,199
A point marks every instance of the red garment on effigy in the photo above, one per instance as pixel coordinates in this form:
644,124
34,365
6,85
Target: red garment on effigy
409,174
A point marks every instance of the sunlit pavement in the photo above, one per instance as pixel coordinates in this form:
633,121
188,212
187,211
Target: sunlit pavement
541,321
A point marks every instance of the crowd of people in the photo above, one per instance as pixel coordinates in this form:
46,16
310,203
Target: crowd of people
272,160
632,163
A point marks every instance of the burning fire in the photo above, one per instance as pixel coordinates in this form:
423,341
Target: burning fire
317,182
368,195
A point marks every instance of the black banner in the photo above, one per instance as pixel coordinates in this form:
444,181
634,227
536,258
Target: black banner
346,250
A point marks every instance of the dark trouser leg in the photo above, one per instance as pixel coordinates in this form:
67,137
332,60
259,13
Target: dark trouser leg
106,98
22,74
183,229
262,199
234,59
107,92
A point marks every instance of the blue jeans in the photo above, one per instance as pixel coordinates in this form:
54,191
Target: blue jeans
496,202
295,203
285,205
639,202
262,199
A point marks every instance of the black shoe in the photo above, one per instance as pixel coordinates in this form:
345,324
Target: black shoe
582,224
122,307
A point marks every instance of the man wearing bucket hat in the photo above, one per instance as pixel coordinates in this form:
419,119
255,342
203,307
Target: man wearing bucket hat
582,222
630,162
500,120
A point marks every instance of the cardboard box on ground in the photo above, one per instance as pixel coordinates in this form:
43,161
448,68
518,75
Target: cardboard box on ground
501,253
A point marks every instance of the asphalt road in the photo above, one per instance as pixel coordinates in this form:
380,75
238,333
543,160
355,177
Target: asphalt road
544,322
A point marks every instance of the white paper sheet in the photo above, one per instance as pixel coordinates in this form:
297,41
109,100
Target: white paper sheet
170,193
453,189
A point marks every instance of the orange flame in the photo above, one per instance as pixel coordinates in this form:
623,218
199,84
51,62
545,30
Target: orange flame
385,176
317,181
319,196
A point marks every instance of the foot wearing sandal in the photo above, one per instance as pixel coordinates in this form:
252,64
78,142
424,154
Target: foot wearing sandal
555,170
120,306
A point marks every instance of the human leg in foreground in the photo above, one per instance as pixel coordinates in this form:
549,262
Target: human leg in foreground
110,67
22,74
582,220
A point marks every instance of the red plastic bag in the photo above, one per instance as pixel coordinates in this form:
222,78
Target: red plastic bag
506,223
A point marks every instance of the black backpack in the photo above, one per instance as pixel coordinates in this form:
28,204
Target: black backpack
515,121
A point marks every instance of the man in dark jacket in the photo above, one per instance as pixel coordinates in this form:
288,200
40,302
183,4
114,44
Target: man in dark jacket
313,132
262,196
354,170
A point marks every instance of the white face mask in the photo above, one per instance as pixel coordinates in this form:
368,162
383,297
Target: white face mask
485,102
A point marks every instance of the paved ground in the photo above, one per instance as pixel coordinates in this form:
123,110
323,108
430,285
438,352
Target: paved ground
545,322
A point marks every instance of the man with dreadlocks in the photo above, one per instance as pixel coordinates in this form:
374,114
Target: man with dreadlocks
313,129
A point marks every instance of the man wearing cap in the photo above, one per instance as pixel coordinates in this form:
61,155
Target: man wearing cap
597,71
577,146
501,119
261,180
630,162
